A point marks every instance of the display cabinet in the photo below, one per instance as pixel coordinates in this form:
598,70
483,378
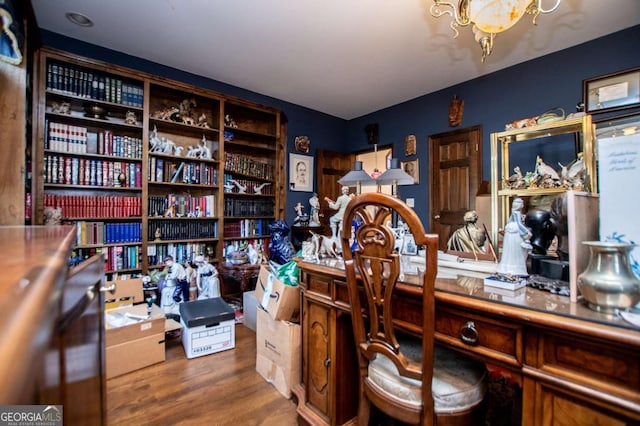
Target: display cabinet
581,201
138,163
501,170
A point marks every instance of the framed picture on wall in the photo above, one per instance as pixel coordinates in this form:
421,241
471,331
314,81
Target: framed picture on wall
411,167
612,92
300,172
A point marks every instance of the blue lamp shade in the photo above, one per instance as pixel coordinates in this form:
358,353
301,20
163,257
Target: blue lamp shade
11,34
357,177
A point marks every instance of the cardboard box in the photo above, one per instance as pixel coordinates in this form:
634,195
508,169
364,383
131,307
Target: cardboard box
127,293
136,344
249,309
208,327
281,301
278,357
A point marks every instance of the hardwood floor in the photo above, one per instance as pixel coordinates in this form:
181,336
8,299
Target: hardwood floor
218,389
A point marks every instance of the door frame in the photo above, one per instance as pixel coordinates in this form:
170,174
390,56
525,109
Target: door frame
433,179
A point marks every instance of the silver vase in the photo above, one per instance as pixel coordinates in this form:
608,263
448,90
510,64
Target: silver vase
608,283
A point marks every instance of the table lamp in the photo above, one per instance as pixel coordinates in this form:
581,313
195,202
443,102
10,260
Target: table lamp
357,177
394,176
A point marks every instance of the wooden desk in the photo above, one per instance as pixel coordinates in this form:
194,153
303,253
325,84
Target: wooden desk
576,366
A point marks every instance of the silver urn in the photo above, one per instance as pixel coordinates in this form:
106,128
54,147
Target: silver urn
608,284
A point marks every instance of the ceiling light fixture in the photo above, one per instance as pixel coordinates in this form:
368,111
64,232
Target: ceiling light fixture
79,19
488,17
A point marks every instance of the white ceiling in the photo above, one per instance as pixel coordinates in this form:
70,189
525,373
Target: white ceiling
344,58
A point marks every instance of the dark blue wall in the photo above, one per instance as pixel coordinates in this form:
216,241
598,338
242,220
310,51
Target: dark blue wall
524,90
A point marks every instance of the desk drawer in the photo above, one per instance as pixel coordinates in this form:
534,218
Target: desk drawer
612,368
502,342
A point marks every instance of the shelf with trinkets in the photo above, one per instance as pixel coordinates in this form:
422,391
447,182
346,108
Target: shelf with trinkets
568,191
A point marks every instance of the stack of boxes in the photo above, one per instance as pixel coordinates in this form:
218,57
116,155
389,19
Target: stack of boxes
134,331
278,337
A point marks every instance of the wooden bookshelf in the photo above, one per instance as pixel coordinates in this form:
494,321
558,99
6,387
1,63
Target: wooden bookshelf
149,157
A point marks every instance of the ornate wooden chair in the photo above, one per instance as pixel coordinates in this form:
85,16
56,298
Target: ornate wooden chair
405,377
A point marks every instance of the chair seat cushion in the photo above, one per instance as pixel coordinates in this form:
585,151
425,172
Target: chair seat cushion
458,383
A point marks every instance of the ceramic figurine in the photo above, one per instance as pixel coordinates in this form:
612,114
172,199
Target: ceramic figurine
301,219
207,279
258,189
314,203
340,205
130,118
242,189
281,250
515,245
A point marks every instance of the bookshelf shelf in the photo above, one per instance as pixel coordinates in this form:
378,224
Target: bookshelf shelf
92,187
100,171
250,237
88,155
89,246
186,240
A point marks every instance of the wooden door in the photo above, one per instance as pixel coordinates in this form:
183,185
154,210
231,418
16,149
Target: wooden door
455,174
331,166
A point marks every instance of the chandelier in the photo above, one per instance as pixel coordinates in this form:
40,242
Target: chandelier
488,17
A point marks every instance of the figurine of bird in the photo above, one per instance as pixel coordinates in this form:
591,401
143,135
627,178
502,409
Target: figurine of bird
543,169
228,187
242,189
515,181
258,189
572,174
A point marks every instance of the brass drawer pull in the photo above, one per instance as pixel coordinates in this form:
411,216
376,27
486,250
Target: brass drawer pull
469,334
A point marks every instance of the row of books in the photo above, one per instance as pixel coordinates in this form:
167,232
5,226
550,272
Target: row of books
116,257
91,233
182,230
248,166
182,205
250,185
165,170
88,206
72,80
246,228
71,139
62,169
181,252
248,207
